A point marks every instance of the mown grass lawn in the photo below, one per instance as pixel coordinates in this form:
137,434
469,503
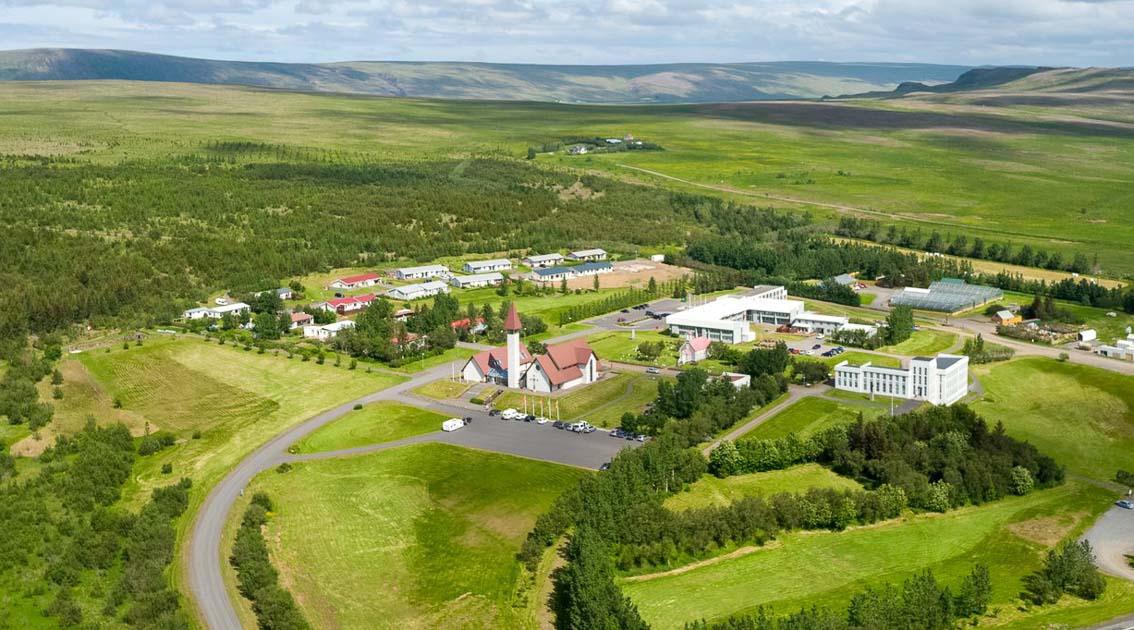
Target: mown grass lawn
712,492
383,421
827,568
923,342
422,536
616,345
643,391
573,405
457,357
443,389
1082,416
810,415
858,358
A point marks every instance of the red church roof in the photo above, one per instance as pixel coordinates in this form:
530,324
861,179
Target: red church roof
500,357
512,321
564,361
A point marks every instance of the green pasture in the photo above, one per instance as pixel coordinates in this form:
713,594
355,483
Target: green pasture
442,389
422,536
811,415
710,491
383,421
924,342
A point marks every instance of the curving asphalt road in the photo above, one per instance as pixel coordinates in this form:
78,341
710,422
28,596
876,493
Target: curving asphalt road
206,557
1112,539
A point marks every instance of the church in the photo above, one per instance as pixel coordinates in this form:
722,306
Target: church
563,366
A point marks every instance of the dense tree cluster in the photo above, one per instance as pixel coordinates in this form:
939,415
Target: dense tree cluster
941,457
960,245
1069,569
980,352
256,578
63,524
922,602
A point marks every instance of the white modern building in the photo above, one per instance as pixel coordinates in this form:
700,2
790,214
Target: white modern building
215,312
418,291
587,255
729,318
422,272
485,266
819,324
477,280
328,331
543,260
940,380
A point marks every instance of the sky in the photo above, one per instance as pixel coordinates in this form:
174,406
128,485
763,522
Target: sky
962,32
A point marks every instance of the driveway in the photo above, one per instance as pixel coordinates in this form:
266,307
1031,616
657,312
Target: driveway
1112,537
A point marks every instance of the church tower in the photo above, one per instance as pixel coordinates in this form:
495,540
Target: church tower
512,327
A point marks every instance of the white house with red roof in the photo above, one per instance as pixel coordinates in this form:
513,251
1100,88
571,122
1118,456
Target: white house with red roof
693,350
345,305
565,365
359,281
301,319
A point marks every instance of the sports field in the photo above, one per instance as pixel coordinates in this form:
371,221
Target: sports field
1081,416
710,491
825,568
812,414
383,421
422,536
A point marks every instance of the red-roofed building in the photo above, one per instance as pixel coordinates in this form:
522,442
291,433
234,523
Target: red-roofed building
566,365
491,366
356,282
693,350
345,305
474,326
301,319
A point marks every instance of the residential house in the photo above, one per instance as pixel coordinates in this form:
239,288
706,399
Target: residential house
328,331
485,266
477,280
739,381
359,281
346,305
421,273
552,274
1007,318
216,312
584,255
693,350
301,319
418,291
592,268
543,260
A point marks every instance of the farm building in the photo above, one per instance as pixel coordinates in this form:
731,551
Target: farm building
949,296
485,266
215,312
592,268
585,255
1006,318
301,319
477,280
418,291
940,380
359,281
345,305
421,273
552,274
693,350
328,331
1088,335
543,260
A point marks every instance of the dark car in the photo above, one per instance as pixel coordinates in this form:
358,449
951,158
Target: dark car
1123,503
817,346
625,310
529,418
493,412
468,419
605,466
559,425
650,314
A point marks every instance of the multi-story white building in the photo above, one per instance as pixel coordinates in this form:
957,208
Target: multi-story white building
821,324
940,380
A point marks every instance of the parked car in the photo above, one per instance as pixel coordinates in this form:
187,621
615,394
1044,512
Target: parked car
819,336
616,433
493,412
559,425
509,414
641,438
620,320
605,466
542,420
529,418
650,314
625,310
817,346
1129,505
652,370
794,350
468,419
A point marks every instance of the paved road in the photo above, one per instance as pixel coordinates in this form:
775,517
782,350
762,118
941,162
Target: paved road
795,392
1112,538
531,440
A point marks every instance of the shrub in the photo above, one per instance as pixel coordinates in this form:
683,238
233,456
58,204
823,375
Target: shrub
283,468
166,468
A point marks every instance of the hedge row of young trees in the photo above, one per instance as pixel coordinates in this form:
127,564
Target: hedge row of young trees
941,457
62,527
256,578
922,602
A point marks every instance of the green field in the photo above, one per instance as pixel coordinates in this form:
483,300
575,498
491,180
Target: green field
422,536
643,391
616,345
383,421
825,568
710,491
442,389
1082,416
809,415
620,386
923,342
858,358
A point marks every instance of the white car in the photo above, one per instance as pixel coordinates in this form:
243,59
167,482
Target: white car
542,420
509,414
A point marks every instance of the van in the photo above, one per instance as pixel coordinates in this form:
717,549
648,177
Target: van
452,424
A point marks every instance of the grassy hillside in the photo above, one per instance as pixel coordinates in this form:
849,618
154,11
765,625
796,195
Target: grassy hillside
664,83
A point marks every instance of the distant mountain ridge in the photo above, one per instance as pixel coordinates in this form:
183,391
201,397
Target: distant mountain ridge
661,83
975,79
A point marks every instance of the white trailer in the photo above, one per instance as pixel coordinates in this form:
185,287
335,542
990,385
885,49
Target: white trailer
452,424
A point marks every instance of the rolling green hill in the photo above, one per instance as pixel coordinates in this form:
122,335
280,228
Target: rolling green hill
664,83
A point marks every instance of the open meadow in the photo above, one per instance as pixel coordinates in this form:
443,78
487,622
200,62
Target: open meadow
601,403
710,491
382,421
1083,416
422,536
826,568
811,415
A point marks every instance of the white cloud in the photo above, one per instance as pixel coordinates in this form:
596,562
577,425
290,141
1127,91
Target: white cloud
1048,32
